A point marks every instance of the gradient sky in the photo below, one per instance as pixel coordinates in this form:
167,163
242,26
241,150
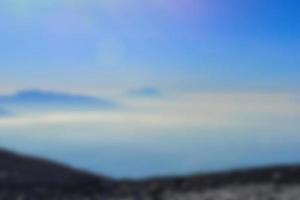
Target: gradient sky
192,44
222,69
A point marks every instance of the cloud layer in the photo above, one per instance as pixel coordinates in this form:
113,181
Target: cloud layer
203,110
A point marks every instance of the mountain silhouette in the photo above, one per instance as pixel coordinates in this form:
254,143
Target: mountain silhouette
23,171
4,113
145,92
47,98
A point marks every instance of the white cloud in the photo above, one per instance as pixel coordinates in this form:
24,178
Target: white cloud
114,119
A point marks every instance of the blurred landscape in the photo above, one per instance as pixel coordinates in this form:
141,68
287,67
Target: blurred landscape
149,100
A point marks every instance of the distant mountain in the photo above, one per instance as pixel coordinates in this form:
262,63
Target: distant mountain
31,178
45,98
4,113
145,92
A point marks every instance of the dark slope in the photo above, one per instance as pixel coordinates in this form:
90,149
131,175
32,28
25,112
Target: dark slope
24,175
278,175
18,171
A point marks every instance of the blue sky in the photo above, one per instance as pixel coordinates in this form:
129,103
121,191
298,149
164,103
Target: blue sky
223,68
175,44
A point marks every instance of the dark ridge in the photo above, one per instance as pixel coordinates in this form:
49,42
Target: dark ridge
277,175
23,172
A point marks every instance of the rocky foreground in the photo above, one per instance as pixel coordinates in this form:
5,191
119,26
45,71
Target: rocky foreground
23,178
247,192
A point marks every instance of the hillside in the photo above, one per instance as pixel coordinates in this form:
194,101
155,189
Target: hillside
23,177
19,171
